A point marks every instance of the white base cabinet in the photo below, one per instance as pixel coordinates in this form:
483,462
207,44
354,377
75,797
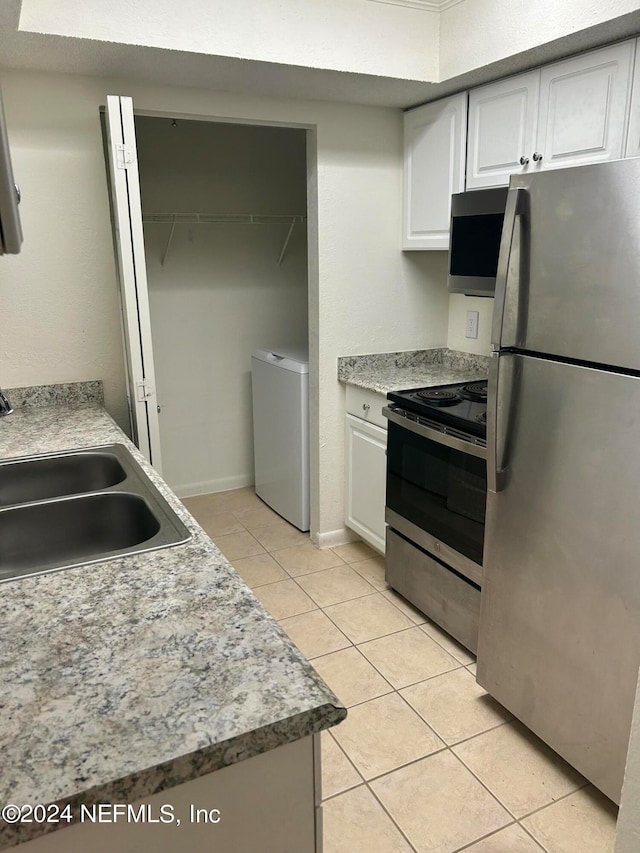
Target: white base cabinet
366,466
269,803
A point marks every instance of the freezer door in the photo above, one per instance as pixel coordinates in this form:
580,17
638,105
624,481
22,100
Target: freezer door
568,281
559,642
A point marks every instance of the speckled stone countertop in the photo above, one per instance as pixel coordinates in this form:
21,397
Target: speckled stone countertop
394,371
133,675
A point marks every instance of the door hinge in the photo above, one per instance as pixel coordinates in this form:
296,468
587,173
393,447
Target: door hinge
144,391
124,156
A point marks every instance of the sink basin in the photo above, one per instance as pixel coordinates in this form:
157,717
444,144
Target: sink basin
54,476
79,508
72,530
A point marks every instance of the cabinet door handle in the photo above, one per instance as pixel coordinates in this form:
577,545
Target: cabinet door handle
524,161
366,406
536,157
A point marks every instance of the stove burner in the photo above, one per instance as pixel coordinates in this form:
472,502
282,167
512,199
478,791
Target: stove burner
482,418
438,397
475,391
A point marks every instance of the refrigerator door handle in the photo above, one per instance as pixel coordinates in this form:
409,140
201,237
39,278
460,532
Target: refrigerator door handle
505,313
503,371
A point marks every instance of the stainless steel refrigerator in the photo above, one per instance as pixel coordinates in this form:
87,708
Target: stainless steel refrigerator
559,642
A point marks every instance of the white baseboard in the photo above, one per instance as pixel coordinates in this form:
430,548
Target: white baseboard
207,487
342,536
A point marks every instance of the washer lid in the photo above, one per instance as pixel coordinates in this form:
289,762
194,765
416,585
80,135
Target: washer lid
288,358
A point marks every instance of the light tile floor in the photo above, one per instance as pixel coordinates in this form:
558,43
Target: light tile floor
426,761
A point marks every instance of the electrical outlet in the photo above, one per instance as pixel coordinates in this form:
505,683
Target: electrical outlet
471,326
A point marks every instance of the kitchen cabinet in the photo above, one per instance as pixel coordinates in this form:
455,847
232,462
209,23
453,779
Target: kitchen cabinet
434,167
566,114
270,802
366,466
502,129
584,104
633,136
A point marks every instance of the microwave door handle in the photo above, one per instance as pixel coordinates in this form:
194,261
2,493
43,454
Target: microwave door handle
503,383
504,328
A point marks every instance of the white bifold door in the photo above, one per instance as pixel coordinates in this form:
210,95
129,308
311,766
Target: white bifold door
122,162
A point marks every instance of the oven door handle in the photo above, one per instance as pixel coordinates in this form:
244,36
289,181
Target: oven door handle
435,435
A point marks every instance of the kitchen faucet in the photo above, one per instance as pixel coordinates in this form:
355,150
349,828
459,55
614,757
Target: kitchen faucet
5,405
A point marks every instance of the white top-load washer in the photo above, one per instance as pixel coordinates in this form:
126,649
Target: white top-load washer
280,383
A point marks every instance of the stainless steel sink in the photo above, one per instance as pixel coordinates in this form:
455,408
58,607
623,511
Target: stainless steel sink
53,476
69,509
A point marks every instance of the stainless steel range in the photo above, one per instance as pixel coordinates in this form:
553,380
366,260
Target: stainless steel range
436,498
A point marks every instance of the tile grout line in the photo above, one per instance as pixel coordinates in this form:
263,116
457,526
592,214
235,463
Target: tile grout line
350,762
530,835
490,835
484,785
320,606
427,622
399,631
553,802
391,818
392,689
446,748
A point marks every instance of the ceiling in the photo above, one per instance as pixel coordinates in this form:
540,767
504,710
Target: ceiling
33,51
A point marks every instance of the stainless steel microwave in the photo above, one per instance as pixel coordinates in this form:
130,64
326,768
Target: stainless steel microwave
476,231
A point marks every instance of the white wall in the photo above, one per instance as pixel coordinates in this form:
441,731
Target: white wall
458,307
59,311
365,294
220,294
474,34
357,36
344,35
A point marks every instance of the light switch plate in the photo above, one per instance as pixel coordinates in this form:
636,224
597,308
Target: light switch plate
471,326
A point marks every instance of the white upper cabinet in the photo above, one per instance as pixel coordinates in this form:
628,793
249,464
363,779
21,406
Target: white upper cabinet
584,103
434,167
566,114
633,137
502,129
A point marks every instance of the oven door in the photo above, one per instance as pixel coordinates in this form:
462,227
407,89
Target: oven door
436,492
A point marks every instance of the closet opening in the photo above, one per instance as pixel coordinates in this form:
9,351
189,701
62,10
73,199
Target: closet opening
224,217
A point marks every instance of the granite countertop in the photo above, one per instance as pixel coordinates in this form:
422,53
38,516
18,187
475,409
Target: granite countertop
133,675
394,371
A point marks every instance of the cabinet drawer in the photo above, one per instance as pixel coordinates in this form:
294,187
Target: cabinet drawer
366,405
443,596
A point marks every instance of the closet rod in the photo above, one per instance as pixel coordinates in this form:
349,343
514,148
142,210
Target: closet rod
174,219
224,218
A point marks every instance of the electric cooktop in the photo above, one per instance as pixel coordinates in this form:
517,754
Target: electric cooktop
463,405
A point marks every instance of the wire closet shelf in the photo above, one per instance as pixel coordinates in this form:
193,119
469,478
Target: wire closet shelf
174,219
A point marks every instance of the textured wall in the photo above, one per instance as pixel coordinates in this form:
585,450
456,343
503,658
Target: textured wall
474,34
344,35
365,295
357,36
59,309
458,307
